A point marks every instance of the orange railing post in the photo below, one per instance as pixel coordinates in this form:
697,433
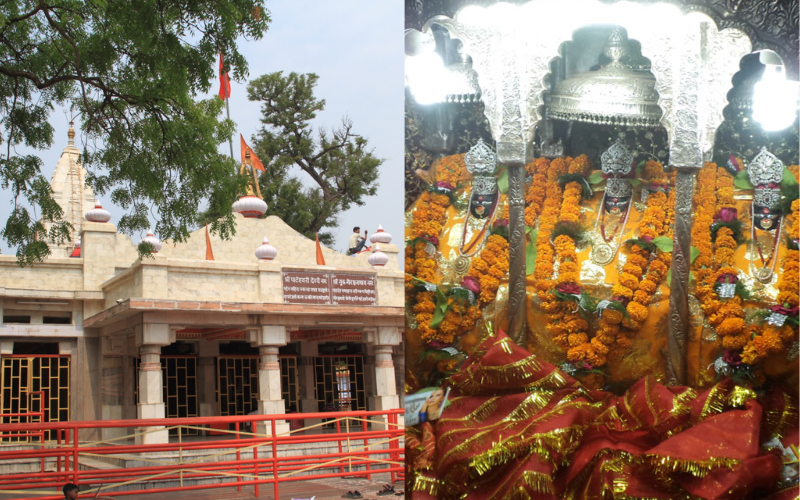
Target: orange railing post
238,458
366,446
254,430
75,466
275,457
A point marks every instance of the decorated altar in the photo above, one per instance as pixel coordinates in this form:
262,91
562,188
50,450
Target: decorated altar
602,251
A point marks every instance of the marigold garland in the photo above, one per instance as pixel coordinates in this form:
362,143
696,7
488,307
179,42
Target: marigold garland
534,198
643,273
715,259
571,331
768,339
426,225
487,268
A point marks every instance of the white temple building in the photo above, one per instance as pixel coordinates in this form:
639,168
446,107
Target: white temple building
107,335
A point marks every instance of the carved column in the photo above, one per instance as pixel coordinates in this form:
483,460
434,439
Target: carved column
516,242
151,396
383,339
150,338
268,339
679,287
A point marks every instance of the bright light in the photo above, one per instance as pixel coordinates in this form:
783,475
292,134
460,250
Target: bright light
775,99
427,78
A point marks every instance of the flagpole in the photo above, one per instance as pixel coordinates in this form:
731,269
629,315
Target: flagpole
228,109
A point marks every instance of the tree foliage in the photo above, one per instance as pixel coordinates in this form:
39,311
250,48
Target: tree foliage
339,161
132,72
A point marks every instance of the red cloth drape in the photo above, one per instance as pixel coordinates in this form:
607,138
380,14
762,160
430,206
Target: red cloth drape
518,427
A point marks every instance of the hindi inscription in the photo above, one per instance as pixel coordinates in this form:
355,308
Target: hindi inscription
300,287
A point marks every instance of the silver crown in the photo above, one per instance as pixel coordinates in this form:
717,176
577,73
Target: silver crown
767,197
618,188
484,185
765,168
617,160
480,159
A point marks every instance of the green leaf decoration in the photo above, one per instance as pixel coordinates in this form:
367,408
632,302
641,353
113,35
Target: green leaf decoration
500,231
742,181
596,177
587,302
530,253
565,297
663,243
572,229
441,308
435,355
438,317
586,190
646,245
693,253
735,226
788,178
613,304
462,294
502,181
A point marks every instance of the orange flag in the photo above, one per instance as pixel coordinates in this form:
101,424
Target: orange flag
320,257
209,252
253,158
224,81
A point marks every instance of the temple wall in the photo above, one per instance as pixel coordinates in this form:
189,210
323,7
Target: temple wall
293,247
57,274
123,286
215,284
125,253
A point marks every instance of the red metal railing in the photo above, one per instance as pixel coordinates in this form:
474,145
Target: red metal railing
379,451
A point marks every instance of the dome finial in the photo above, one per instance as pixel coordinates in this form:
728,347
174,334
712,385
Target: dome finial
71,133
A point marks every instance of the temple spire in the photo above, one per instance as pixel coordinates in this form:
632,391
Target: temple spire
71,134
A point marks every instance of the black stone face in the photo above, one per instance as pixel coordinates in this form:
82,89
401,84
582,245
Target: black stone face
480,205
616,205
766,218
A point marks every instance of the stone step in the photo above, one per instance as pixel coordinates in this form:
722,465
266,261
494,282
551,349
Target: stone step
211,479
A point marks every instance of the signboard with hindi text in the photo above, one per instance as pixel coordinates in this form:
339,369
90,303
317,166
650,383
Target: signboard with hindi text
353,289
304,287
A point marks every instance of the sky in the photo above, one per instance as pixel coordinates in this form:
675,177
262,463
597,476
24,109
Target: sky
356,48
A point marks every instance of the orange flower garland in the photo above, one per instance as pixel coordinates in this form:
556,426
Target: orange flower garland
427,222
568,329
534,198
715,259
545,258
487,268
769,339
640,276
490,266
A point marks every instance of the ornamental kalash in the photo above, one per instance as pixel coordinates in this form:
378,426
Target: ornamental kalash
602,250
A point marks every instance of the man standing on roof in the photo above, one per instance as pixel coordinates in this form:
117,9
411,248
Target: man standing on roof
356,241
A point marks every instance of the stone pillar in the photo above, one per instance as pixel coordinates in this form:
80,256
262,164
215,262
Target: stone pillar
150,338
270,401
400,372
86,383
112,384
98,246
209,351
309,350
383,339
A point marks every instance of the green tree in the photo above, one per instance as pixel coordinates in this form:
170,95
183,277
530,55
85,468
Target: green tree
339,161
132,72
